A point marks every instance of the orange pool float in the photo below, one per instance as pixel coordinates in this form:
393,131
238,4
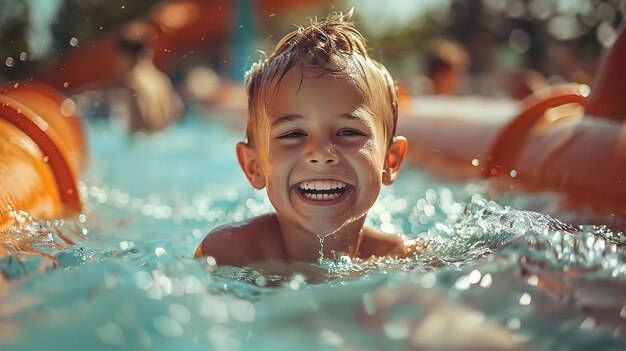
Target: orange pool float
42,146
570,139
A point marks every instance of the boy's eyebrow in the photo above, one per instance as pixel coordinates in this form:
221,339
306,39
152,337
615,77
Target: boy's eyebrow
356,117
352,117
285,119
291,118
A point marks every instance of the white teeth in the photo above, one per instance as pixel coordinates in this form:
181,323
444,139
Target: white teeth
322,185
322,197
313,186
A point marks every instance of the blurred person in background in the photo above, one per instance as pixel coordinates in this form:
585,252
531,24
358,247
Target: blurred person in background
153,104
445,65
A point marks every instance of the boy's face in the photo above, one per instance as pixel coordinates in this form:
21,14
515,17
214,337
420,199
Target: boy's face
321,152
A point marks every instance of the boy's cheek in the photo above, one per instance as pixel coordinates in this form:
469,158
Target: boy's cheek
370,154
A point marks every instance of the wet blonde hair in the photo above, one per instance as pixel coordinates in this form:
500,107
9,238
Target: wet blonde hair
330,47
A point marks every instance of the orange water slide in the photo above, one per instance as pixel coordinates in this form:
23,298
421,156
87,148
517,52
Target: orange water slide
568,139
42,146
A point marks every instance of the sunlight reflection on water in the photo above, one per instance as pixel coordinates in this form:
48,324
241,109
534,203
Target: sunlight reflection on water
489,275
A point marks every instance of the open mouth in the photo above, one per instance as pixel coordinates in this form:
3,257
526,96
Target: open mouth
322,190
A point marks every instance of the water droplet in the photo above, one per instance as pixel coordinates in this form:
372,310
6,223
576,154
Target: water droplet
242,310
429,210
331,337
525,299
261,280
68,107
180,313
474,276
584,90
159,251
513,324
588,324
388,228
143,280
168,326
110,333
397,329
10,62
428,280
606,34
475,162
23,56
143,338
431,196
294,285
221,335
74,41
462,283
486,281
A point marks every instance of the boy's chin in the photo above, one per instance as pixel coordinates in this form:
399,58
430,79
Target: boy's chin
326,224
323,230
326,217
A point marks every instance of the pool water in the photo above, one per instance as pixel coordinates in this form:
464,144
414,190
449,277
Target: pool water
121,275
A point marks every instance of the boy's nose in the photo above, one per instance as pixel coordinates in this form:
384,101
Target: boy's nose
322,155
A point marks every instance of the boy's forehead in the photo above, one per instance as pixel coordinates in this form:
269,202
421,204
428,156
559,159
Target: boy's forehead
299,73
304,83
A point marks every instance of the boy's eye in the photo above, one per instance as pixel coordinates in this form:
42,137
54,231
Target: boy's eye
292,135
349,132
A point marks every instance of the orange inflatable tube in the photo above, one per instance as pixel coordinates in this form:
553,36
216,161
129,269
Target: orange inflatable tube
41,147
563,139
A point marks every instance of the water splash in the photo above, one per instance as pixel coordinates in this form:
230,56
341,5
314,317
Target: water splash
487,272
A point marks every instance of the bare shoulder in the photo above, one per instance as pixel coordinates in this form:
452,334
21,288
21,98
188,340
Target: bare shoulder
242,243
376,243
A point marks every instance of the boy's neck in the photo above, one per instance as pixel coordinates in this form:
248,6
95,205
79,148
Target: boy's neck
300,244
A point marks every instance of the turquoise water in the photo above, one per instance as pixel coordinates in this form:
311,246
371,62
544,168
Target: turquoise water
121,275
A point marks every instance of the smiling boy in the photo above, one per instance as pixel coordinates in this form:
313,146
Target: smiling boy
321,140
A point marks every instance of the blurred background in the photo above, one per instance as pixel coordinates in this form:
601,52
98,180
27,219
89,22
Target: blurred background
490,48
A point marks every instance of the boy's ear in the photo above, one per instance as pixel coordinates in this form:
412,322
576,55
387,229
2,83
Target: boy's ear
250,164
393,159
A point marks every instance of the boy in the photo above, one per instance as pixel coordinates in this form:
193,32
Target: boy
320,139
